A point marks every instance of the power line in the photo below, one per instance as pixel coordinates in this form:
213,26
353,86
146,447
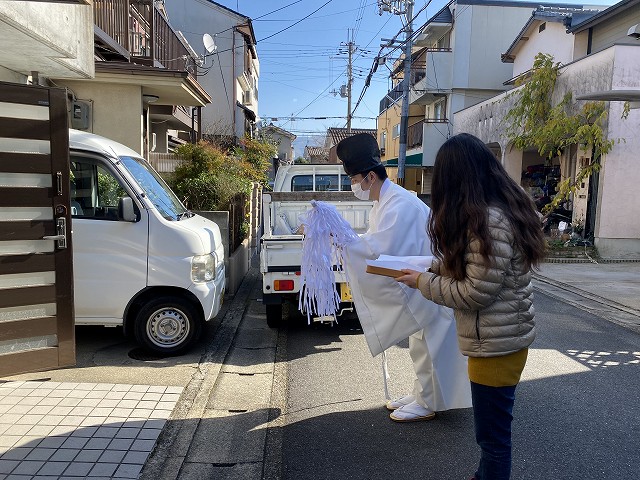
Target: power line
320,16
336,79
374,66
277,10
294,118
294,24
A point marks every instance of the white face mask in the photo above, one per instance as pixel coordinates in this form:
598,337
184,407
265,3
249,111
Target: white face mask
357,190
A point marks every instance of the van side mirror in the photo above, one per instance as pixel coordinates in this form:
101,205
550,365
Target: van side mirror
126,210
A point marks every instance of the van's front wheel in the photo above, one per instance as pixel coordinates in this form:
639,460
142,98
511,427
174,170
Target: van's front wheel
167,325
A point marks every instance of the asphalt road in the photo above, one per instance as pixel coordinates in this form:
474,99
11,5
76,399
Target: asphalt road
576,413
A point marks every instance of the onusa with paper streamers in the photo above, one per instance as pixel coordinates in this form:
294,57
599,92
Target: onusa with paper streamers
326,232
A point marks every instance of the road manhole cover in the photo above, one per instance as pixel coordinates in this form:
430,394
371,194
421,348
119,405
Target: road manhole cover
144,355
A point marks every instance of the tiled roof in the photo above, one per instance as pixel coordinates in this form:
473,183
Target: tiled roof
335,135
271,128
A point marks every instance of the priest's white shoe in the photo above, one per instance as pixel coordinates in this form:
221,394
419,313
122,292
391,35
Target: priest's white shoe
413,412
400,402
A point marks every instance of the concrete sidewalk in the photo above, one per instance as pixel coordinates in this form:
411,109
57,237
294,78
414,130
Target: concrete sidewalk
610,290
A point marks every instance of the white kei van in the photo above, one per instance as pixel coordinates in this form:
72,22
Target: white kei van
140,258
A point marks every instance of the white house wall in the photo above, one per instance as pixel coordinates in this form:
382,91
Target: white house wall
580,44
619,227
194,18
482,33
122,124
552,40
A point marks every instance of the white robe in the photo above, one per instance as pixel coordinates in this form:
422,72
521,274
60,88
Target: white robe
389,311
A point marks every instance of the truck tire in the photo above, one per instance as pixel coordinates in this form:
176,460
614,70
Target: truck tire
168,325
274,315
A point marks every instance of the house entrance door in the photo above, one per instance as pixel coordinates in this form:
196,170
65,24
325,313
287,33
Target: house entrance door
36,277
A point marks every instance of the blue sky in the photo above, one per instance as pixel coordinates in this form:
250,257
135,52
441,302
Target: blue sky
302,66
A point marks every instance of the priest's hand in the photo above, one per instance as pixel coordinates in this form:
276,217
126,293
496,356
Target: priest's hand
410,278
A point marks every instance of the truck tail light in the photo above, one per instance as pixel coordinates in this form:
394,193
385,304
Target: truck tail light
280,285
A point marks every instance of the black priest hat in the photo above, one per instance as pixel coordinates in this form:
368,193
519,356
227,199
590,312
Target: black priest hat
359,153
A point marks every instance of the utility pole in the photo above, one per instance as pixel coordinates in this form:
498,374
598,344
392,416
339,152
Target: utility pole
402,7
351,49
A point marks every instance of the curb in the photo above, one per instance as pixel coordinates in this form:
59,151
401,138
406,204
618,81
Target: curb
588,295
593,304
587,260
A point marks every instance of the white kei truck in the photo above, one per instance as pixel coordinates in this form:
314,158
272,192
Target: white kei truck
294,187
140,258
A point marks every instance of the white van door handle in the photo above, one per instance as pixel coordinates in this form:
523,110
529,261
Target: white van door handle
61,237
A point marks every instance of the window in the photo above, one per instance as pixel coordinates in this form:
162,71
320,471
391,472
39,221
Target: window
324,183
383,140
443,42
346,183
439,110
327,183
155,188
396,131
95,192
302,183
542,27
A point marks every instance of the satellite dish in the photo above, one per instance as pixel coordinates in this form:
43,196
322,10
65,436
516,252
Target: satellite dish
209,44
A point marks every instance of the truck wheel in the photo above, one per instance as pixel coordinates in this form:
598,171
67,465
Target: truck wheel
168,325
274,315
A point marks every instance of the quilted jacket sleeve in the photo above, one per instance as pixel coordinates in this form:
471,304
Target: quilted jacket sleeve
482,284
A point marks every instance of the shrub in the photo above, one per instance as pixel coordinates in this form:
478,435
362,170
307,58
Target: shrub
208,178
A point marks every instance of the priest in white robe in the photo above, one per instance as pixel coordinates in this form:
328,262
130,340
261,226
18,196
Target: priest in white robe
389,311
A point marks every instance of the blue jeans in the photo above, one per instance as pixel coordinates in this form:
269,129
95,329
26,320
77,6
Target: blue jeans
492,415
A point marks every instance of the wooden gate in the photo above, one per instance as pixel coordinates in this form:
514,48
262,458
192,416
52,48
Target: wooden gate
36,277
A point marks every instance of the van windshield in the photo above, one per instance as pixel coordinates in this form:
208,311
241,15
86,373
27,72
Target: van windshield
157,191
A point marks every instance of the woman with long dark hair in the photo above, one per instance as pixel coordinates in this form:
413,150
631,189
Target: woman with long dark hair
486,237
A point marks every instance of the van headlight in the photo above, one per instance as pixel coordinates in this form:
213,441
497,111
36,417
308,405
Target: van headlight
203,268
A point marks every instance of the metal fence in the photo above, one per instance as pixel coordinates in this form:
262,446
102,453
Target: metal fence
164,162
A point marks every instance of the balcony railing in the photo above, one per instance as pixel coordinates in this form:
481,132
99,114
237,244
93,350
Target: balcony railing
111,16
141,29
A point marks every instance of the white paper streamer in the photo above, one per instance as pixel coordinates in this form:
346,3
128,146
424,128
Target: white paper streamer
325,233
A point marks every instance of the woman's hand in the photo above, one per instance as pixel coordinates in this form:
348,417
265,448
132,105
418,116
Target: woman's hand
410,278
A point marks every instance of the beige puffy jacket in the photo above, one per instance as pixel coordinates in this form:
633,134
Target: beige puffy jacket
493,306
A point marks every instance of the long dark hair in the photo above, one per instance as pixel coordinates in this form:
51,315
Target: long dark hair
467,180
